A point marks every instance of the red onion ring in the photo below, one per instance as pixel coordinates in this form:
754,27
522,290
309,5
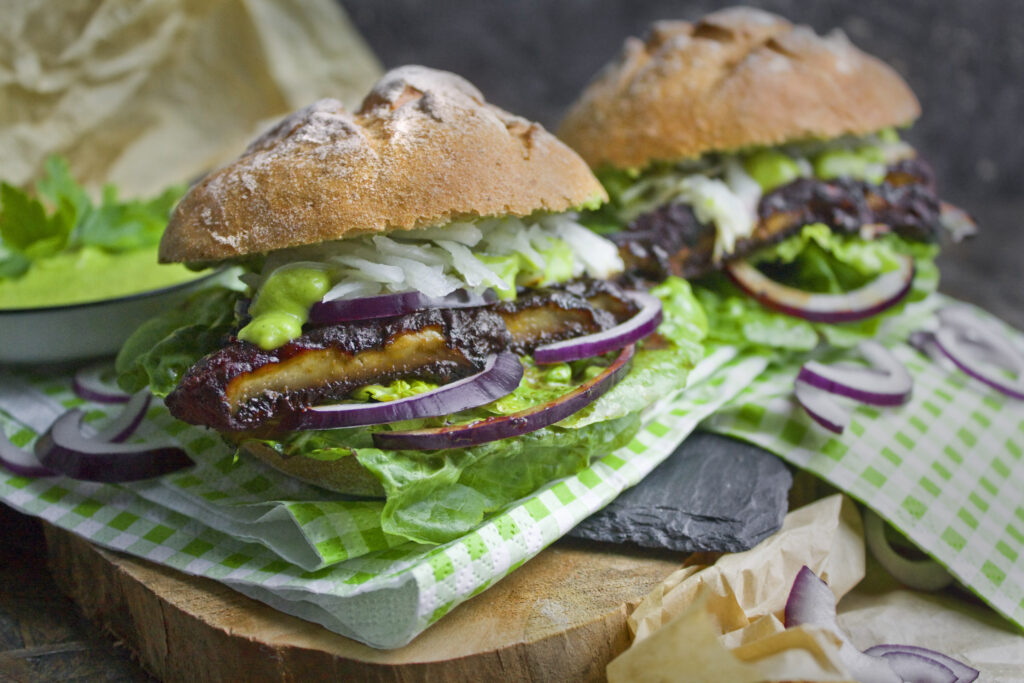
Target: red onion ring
914,667
963,673
887,383
822,406
128,420
66,450
636,328
878,295
925,575
974,345
811,602
21,462
505,426
88,384
388,305
501,376
924,342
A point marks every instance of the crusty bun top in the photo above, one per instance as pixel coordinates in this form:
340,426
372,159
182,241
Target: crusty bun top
423,149
738,78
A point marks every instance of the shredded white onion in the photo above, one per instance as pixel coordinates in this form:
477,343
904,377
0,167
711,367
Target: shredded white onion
437,261
472,269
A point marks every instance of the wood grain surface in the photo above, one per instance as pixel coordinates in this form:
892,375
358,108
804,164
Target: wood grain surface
562,616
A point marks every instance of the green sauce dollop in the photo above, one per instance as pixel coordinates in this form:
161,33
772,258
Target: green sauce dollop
282,306
771,169
862,164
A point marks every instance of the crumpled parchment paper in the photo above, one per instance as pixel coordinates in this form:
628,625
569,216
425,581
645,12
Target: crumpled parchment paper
146,94
723,622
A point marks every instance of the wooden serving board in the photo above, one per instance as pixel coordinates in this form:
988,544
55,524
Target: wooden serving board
562,616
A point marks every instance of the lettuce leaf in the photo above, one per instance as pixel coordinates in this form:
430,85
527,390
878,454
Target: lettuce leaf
684,322
61,216
817,260
160,351
436,496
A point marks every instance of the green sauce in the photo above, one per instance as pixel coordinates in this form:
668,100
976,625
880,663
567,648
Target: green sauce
282,306
862,164
771,169
398,389
89,274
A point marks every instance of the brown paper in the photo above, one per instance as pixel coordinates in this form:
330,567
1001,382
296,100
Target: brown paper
147,94
723,621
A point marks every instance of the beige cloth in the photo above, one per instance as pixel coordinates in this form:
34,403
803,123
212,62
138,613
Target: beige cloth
146,93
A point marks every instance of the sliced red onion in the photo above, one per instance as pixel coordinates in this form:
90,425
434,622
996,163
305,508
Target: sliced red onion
128,420
20,461
913,668
811,602
636,328
822,407
977,357
506,426
924,342
886,383
962,672
67,450
878,295
965,319
988,338
925,574
388,305
500,377
90,385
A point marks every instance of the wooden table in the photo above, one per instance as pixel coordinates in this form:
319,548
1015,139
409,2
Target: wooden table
44,637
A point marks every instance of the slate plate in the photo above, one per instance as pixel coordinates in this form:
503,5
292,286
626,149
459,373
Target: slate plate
714,493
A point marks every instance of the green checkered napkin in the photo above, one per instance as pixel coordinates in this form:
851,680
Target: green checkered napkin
298,548
946,469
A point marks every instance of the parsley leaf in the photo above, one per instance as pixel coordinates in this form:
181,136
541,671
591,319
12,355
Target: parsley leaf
123,225
62,216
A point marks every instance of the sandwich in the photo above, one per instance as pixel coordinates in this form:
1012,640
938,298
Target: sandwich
422,319
764,163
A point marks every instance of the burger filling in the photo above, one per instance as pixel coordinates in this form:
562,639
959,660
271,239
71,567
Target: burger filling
823,217
242,387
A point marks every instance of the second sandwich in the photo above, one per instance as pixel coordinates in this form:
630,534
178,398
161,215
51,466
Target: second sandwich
763,161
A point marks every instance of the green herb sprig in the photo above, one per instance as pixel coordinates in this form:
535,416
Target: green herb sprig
61,216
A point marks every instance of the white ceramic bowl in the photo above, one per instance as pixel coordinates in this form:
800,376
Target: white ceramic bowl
57,334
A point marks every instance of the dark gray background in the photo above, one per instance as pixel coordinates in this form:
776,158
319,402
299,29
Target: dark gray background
963,58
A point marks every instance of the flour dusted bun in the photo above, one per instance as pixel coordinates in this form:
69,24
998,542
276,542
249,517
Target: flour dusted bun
738,78
423,149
